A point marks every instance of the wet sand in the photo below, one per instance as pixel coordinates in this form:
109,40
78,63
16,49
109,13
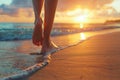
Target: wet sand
95,59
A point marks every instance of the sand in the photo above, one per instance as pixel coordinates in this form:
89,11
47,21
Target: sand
95,59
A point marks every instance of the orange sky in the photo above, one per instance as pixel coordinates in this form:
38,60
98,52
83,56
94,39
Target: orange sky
68,11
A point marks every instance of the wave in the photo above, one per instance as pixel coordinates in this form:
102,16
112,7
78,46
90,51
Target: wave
33,68
25,34
23,31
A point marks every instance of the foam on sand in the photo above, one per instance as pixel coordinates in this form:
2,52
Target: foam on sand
33,69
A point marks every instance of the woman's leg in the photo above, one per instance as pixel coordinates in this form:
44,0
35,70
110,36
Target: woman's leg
37,34
50,9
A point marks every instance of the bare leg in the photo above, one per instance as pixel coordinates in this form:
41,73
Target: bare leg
37,34
50,8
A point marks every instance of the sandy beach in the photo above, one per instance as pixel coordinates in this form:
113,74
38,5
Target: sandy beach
95,59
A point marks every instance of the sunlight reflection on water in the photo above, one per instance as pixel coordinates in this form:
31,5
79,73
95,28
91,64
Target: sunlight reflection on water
83,36
13,52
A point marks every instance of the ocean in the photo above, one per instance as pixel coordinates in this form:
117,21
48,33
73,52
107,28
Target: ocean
23,31
16,43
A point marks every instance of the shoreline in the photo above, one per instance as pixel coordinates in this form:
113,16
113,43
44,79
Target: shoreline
98,62
36,67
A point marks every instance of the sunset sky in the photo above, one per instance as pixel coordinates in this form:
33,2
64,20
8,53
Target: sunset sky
68,11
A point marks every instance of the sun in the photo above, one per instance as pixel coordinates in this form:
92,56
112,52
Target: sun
82,15
81,19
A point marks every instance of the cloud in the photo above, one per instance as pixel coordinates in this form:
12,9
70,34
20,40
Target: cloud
107,12
8,10
63,5
16,8
90,4
24,8
23,3
98,8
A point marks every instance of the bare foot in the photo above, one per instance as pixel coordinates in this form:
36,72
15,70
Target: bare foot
49,49
37,34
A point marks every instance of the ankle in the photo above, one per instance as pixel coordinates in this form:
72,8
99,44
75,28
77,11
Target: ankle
38,21
46,44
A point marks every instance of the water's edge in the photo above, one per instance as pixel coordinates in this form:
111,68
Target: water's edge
33,69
